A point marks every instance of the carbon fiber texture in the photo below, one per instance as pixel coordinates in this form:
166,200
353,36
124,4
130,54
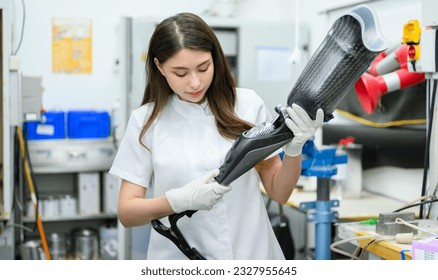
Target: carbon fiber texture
334,68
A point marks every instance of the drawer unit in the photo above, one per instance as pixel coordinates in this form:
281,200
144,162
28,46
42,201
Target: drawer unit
53,156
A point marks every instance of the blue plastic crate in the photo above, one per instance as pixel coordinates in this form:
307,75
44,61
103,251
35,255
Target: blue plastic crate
88,124
51,126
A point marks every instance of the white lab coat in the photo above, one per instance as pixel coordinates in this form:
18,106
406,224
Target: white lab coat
184,145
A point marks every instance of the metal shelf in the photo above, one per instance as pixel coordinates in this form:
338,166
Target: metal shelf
27,219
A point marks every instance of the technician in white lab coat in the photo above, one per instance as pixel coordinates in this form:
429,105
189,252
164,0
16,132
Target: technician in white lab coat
175,141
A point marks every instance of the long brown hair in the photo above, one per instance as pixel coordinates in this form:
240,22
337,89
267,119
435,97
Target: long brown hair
187,30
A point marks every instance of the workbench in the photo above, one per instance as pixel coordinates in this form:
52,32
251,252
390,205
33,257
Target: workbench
386,249
369,205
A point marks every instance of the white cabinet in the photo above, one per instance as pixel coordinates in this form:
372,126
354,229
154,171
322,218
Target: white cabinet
73,189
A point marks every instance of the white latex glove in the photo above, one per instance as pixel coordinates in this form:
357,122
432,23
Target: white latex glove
303,128
200,194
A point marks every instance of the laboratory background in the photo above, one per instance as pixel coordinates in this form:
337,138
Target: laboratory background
72,71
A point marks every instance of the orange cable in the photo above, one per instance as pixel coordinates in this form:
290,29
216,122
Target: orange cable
33,195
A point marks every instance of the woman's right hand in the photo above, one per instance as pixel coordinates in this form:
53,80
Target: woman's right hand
303,128
200,194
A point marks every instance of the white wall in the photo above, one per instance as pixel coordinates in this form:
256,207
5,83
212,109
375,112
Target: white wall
99,89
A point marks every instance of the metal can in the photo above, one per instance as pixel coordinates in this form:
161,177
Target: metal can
86,244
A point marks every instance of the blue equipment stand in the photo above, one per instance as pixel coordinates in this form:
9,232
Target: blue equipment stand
322,164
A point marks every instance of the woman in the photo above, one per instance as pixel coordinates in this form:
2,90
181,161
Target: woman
190,115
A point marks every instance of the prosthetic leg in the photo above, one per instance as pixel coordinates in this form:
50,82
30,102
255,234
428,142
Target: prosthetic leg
345,54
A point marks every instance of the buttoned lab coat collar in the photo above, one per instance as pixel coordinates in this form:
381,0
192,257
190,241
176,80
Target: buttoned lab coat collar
189,109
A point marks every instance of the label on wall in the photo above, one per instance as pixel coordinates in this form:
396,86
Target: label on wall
273,63
71,45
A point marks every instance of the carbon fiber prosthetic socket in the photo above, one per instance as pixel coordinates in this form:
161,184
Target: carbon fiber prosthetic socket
345,54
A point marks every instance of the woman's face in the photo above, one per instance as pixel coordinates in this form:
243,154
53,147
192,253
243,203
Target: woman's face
189,74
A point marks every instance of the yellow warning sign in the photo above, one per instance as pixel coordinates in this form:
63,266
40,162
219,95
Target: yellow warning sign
72,45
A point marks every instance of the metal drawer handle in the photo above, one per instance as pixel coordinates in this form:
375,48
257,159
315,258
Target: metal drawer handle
76,154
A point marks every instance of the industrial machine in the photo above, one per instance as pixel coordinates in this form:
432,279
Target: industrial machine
422,42
412,62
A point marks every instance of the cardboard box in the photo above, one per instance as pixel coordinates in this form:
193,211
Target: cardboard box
89,193
111,187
